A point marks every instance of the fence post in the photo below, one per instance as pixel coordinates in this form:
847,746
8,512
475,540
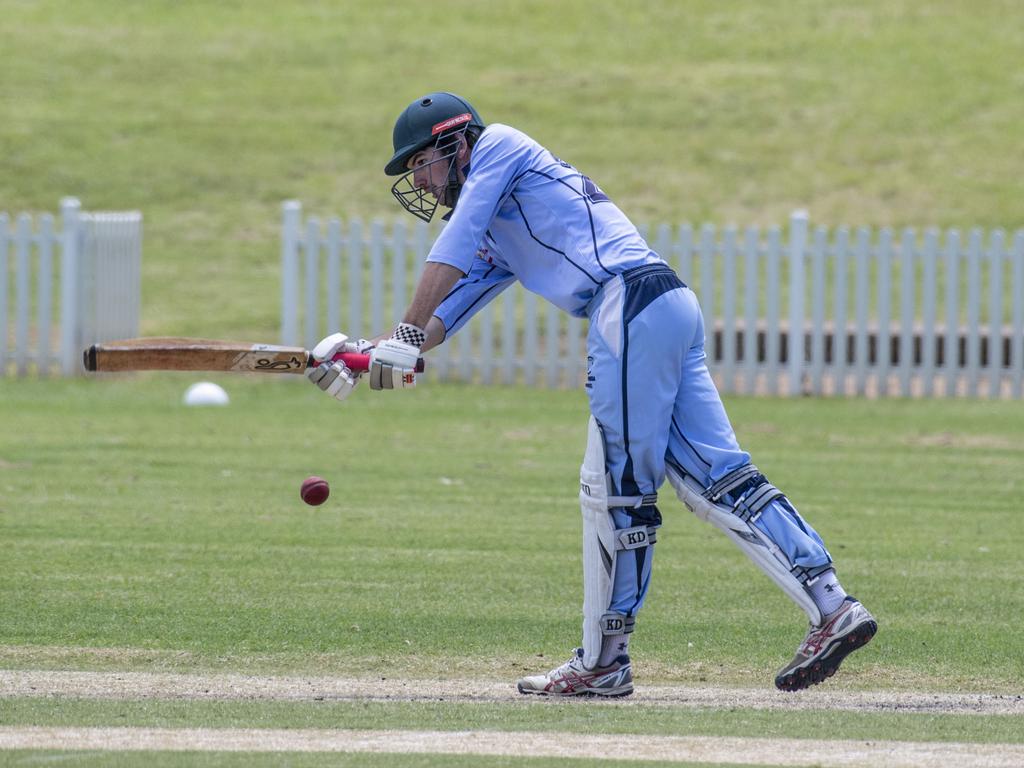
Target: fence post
291,214
819,247
995,313
841,291
728,369
797,246
44,293
883,337
4,239
1017,315
930,297
377,277
334,245
71,241
772,356
973,311
951,342
23,244
908,280
311,283
355,279
751,270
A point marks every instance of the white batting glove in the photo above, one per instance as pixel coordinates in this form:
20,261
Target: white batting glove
334,377
393,362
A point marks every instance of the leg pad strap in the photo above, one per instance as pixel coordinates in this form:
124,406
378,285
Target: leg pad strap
617,624
749,493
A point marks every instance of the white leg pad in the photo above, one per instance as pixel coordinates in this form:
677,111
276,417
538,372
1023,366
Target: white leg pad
601,544
598,544
748,537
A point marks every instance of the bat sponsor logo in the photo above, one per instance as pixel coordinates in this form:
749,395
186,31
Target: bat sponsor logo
291,364
254,361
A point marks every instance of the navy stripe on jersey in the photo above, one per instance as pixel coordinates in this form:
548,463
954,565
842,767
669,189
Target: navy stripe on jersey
641,560
537,240
694,451
642,286
462,284
481,297
590,215
629,483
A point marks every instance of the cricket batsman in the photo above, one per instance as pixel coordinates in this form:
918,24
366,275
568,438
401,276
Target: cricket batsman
520,213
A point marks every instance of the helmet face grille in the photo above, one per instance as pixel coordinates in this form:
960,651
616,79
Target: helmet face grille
422,202
414,199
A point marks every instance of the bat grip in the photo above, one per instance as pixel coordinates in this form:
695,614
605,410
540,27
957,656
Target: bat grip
359,363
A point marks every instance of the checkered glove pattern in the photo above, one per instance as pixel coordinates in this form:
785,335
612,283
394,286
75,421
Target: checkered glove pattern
410,334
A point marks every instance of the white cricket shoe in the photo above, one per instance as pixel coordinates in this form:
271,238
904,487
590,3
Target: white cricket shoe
825,647
573,679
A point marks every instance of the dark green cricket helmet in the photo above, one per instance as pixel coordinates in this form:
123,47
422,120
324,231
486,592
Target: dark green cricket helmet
424,121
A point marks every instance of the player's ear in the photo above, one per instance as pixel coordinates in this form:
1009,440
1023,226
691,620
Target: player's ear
464,150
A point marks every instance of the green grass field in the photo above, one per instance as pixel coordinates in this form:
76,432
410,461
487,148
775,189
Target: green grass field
145,536
206,116
144,524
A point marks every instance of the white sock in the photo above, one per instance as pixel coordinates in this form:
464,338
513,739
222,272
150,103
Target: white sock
828,593
613,647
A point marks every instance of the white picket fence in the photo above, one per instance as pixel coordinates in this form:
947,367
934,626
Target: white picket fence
878,313
65,286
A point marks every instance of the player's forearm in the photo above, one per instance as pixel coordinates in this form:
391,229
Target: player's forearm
436,282
436,333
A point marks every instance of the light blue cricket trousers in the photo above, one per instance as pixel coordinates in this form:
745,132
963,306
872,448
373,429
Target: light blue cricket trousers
652,394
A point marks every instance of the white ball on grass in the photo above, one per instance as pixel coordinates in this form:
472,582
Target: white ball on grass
206,393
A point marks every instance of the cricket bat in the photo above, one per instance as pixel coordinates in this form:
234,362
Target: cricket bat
178,354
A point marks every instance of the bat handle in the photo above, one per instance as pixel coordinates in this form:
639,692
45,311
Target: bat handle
360,363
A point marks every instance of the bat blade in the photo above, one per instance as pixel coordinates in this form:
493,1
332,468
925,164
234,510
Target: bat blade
184,354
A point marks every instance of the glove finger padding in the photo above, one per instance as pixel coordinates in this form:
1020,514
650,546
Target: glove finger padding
387,376
334,378
317,373
343,383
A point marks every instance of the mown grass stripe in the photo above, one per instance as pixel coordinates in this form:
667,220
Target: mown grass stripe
698,749
526,716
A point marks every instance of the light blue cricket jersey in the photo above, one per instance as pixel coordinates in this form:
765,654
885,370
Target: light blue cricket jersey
524,214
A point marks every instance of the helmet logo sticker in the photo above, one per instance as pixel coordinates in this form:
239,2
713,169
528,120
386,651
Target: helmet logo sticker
451,122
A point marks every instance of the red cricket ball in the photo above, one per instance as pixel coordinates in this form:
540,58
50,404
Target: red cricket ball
315,490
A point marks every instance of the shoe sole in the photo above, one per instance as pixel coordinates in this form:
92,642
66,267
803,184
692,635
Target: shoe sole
614,693
822,669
